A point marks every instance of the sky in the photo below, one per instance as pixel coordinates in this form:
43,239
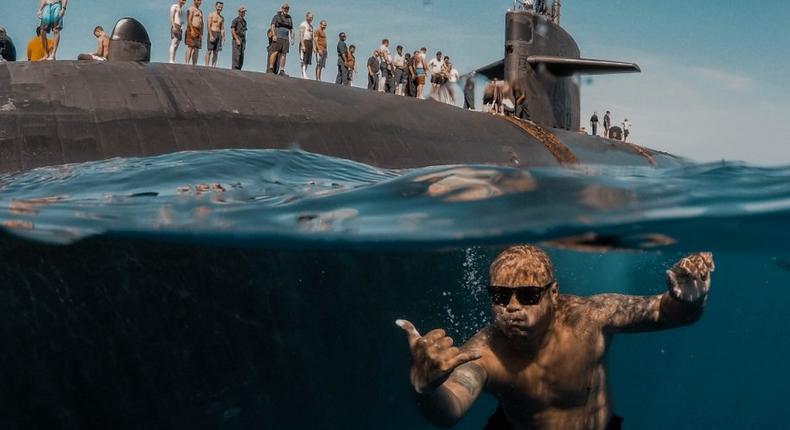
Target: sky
713,85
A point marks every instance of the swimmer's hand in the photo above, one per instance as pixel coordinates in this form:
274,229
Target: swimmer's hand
688,280
433,357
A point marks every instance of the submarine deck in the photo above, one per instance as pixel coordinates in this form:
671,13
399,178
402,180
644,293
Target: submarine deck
62,112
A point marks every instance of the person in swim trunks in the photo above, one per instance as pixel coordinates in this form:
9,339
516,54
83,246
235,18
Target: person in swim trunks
306,42
194,36
420,66
51,13
216,34
543,355
176,27
319,47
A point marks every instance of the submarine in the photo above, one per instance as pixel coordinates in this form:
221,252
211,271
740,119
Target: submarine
61,112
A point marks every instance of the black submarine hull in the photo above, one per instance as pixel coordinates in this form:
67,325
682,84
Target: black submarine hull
62,112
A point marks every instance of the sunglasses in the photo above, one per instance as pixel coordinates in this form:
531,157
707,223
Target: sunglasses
527,296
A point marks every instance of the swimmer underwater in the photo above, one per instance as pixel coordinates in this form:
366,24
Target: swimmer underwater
543,355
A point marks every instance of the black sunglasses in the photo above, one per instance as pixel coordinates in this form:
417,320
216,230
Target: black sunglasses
527,296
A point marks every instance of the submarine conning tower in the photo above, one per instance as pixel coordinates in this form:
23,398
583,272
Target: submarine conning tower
553,99
546,61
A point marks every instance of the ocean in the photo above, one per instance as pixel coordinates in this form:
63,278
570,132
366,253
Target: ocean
258,289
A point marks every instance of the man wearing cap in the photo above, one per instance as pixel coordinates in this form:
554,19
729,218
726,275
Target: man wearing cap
543,355
238,30
282,37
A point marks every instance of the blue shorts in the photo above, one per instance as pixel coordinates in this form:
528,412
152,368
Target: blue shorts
51,18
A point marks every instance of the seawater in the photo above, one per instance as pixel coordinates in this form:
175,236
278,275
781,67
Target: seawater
258,289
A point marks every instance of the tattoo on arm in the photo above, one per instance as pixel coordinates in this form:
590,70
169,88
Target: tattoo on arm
468,377
621,313
450,402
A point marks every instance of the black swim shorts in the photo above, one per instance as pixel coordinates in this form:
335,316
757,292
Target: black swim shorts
499,421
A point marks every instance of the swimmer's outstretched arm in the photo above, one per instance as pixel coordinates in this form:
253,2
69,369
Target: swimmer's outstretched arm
447,380
688,282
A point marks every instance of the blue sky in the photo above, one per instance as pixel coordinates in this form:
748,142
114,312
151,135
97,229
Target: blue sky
713,86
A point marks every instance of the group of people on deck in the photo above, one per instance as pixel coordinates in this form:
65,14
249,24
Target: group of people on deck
406,74
540,7
610,132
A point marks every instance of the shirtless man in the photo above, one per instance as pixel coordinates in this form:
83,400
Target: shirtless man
51,13
319,47
194,36
176,27
543,355
420,66
102,46
216,34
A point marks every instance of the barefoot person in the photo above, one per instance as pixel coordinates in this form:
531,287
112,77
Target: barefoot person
102,46
176,27
306,42
51,13
543,355
194,36
319,46
216,34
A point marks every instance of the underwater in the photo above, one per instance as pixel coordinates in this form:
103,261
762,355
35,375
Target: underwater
241,289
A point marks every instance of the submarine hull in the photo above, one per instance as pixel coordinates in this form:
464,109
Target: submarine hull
62,112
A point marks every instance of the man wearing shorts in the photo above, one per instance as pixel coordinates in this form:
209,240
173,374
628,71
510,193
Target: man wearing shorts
102,46
282,38
352,63
306,43
176,27
319,47
194,36
51,13
216,34
420,66
437,77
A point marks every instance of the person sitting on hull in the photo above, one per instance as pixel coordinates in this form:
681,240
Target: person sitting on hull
543,355
102,46
35,50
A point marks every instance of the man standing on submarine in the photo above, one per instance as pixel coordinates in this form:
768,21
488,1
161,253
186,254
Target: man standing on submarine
543,355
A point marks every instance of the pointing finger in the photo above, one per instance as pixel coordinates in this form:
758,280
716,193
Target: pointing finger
411,331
